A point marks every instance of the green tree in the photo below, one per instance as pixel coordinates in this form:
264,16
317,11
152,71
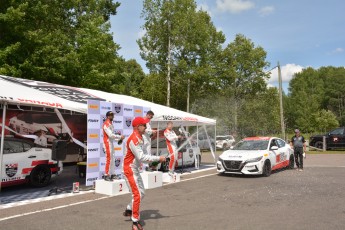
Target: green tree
178,45
241,74
65,42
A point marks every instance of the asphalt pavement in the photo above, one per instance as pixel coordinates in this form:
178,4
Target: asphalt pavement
288,199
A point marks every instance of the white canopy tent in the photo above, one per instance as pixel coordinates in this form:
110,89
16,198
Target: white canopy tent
23,92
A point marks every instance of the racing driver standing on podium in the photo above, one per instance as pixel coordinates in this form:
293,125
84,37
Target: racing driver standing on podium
108,137
131,164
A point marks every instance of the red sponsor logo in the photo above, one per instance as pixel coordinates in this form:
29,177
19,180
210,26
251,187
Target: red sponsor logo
52,104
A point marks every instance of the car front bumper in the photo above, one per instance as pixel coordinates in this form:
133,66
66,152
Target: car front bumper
238,167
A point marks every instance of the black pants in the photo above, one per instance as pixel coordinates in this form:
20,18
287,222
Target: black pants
299,157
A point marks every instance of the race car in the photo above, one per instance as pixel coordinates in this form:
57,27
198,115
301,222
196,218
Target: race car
23,162
256,156
188,153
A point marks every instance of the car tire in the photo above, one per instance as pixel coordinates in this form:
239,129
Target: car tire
319,145
291,162
266,169
40,176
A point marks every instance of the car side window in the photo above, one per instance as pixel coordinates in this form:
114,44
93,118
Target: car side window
338,131
273,143
26,146
281,143
13,147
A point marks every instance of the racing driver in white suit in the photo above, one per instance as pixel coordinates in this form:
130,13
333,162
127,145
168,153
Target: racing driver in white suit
171,138
147,137
108,137
131,164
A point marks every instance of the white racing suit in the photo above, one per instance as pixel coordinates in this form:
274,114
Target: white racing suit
171,138
131,164
147,142
108,137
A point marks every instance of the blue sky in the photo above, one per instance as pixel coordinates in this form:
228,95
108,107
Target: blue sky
296,33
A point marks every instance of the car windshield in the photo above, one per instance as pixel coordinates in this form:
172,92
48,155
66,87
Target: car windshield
220,138
251,145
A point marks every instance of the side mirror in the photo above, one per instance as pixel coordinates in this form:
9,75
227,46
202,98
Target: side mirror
274,148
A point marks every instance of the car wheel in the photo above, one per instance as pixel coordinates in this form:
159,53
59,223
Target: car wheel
40,176
319,145
291,162
266,170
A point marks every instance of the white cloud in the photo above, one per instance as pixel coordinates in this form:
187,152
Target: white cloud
337,50
288,72
234,6
267,10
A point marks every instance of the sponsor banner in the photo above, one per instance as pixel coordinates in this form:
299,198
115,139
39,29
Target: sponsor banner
92,165
118,109
122,123
145,110
93,121
94,150
138,111
93,107
93,136
105,107
127,122
128,110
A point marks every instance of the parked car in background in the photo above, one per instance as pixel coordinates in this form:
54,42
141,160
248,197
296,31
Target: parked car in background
335,139
224,142
23,161
203,142
256,156
188,153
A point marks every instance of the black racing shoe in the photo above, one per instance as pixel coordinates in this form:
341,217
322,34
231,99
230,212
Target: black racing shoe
107,178
127,212
137,226
115,177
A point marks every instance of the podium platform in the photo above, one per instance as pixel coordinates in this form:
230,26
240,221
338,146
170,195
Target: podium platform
111,188
152,179
171,179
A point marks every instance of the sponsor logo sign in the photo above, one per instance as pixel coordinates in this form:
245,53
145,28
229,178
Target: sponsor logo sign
11,169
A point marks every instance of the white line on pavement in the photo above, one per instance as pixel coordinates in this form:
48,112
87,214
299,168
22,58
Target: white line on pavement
86,201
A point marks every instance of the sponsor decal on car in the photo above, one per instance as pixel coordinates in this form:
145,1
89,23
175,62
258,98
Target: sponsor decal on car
191,153
11,169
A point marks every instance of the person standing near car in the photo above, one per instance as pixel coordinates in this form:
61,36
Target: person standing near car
299,146
108,137
41,139
147,136
171,138
131,164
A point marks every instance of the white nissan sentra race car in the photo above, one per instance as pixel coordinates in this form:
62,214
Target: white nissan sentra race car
256,156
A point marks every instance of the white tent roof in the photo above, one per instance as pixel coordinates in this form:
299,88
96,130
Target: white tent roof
35,93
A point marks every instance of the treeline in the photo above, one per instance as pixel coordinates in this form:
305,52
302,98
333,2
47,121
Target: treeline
69,42
316,99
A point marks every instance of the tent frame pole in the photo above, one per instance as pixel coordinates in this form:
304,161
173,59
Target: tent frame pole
2,139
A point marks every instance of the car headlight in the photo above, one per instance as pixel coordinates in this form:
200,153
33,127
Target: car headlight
254,159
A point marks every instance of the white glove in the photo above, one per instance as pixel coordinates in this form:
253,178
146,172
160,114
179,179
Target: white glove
304,155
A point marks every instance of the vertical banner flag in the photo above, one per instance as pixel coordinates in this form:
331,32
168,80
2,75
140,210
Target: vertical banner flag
123,116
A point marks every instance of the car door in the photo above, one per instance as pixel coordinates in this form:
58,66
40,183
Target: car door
274,154
13,161
283,150
336,138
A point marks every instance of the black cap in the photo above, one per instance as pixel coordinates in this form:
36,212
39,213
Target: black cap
109,113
